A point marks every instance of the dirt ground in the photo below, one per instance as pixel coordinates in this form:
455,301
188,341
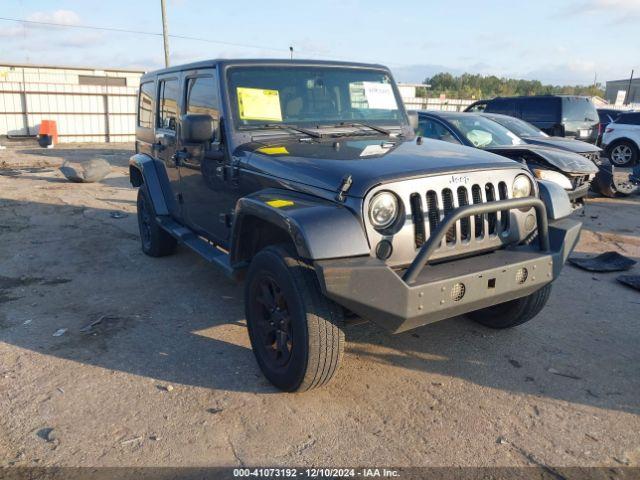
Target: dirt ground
154,367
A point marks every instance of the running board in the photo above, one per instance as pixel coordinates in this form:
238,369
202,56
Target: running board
188,237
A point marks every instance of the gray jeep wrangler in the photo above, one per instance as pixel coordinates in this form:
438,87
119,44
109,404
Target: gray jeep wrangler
306,180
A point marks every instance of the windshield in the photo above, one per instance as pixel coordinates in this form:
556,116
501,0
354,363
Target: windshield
519,127
579,109
312,96
483,133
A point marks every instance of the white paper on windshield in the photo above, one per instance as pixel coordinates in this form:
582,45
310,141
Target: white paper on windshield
379,95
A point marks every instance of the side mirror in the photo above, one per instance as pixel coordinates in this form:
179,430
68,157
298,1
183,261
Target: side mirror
198,128
413,119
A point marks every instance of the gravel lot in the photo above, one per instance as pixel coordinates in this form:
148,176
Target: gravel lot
165,375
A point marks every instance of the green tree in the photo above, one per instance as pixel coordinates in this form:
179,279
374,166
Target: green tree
474,86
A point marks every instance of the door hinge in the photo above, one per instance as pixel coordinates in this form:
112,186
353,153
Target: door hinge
235,171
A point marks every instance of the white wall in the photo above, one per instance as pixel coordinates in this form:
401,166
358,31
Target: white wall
83,113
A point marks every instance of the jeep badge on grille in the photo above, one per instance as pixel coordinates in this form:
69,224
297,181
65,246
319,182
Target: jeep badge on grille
457,179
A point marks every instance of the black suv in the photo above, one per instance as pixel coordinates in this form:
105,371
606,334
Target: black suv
305,179
556,115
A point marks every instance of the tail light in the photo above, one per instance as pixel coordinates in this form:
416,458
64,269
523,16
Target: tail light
600,126
608,130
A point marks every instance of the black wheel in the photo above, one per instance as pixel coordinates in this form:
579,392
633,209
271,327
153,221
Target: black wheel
515,312
295,331
623,153
155,241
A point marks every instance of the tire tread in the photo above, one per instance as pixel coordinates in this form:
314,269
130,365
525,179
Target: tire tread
324,321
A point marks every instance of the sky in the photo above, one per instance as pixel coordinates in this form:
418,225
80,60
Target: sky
554,41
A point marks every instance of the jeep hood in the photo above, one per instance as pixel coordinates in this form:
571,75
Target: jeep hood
564,143
563,160
370,162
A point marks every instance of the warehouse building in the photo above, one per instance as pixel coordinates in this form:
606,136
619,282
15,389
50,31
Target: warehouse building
87,104
616,91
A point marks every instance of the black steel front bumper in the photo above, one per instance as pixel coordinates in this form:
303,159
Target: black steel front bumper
400,300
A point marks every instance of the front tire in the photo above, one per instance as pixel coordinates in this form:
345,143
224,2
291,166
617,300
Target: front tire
623,153
155,241
512,313
295,331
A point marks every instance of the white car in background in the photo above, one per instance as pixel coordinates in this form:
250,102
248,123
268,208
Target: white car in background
621,140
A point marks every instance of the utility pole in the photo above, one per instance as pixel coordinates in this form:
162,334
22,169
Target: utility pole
165,32
291,52
628,89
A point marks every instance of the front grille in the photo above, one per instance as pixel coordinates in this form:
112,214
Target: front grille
427,200
440,203
579,181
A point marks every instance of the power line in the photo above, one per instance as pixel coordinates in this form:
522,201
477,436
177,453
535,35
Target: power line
182,37
142,32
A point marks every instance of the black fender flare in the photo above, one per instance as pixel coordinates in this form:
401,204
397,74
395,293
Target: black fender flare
143,169
319,229
555,199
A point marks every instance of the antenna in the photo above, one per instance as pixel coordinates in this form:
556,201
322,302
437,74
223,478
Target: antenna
291,52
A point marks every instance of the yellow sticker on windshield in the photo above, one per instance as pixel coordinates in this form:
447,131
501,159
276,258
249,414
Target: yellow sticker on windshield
273,150
259,104
279,203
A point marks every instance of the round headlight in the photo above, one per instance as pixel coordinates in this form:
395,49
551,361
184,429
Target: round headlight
522,186
383,210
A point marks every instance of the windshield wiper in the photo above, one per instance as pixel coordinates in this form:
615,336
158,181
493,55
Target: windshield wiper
366,125
282,126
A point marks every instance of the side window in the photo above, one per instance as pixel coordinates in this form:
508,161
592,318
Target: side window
504,106
145,105
168,104
540,109
629,119
431,129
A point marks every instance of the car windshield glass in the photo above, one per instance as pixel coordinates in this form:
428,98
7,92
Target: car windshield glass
578,109
312,96
483,133
519,127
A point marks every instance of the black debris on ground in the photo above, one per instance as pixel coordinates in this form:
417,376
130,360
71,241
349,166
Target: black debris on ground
632,281
605,262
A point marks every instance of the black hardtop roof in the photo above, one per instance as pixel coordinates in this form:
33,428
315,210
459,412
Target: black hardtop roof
260,61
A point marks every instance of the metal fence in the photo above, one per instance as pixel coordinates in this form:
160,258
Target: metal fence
448,104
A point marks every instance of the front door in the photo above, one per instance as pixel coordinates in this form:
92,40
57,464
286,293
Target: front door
208,192
164,148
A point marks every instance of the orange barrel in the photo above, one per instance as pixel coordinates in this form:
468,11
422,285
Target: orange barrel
50,129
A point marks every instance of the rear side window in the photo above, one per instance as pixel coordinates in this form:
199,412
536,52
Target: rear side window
629,119
578,109
477,107
539,109
145,105
168,104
